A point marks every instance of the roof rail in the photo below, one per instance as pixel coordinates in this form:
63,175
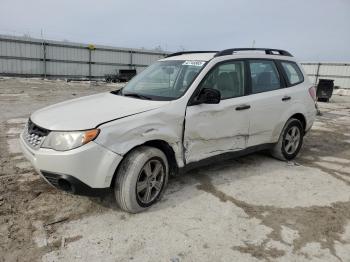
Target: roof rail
189,52
268,51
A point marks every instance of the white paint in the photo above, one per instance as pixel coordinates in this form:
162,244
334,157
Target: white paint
89,111
211,129
91,163
164,124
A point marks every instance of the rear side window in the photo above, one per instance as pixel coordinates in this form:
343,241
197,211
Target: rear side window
228,78
293,72
264,76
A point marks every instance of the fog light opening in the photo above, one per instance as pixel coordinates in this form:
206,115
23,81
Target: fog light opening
65,185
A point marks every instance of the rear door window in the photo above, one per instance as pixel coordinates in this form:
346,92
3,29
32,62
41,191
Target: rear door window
293,73
264,76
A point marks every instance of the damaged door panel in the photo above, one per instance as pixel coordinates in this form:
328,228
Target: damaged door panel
214,129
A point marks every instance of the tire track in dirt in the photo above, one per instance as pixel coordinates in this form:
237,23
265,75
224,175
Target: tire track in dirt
322,224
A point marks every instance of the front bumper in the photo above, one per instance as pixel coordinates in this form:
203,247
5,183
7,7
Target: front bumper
88,168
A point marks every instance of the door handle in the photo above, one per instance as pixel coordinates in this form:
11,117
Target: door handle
242,107
286,98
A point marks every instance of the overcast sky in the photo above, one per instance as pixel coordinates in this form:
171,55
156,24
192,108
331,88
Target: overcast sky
312,30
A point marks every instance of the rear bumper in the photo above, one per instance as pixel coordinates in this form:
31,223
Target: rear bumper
88,168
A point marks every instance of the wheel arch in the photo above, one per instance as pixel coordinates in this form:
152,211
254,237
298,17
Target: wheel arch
301,118
284,119
162,145
168,151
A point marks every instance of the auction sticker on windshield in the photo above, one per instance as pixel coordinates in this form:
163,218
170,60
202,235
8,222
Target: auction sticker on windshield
194,63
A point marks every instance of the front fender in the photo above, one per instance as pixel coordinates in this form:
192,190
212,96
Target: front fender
122,135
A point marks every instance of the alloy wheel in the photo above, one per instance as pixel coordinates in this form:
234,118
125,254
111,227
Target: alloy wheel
150,181
292,140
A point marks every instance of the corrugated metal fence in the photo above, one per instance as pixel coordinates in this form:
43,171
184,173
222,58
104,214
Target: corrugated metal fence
31,57
339,72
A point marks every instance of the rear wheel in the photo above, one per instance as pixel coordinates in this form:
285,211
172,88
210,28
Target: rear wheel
141,179
290,141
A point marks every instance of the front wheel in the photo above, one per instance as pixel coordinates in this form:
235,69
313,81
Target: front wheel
141,179
290,141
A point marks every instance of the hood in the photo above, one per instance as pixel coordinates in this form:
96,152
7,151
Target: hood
90,111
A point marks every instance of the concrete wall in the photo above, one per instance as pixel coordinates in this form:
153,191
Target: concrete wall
31,57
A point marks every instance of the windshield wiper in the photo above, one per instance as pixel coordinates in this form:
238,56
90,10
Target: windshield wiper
137,96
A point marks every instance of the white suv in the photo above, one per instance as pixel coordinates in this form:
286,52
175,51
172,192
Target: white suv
179,112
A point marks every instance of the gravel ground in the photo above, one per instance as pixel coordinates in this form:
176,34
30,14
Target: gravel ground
253,208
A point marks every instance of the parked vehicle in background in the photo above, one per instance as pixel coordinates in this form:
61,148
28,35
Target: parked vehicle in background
124,75
182,111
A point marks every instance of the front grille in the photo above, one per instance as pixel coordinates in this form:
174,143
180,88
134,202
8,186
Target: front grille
34,135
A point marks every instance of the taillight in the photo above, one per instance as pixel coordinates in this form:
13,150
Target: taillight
312,92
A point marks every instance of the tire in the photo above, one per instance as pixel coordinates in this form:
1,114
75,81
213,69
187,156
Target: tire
141,179
286,149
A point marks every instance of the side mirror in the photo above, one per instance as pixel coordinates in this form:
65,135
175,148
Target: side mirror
208,96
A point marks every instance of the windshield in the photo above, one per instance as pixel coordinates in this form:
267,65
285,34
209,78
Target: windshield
163,80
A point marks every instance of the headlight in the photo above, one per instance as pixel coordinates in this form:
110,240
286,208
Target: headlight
62,141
